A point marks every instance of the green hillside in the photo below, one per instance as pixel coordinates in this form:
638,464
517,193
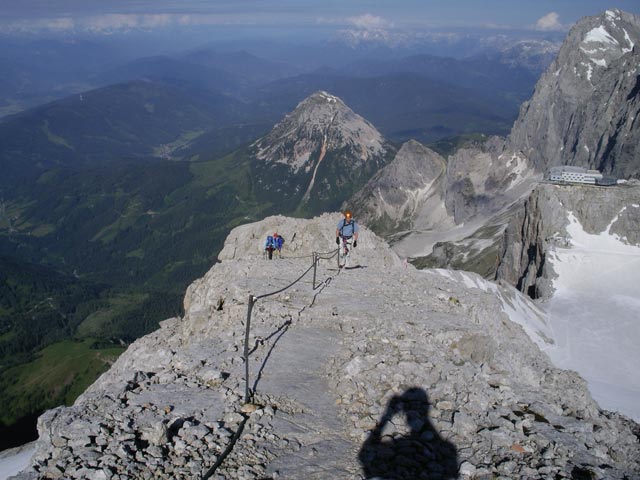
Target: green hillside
129,240
133,121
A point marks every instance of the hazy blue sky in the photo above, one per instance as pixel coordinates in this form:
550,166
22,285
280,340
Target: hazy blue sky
110,15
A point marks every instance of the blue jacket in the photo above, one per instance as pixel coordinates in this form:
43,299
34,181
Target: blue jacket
347,229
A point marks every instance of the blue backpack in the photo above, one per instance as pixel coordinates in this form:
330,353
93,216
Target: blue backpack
270,243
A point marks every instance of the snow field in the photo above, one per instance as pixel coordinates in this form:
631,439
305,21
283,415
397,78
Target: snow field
595,315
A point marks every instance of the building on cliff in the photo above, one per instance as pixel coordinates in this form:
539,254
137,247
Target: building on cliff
571,174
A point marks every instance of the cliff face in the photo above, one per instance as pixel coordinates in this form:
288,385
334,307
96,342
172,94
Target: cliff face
424,201
407,193
585,107
483,180
541,225
381,370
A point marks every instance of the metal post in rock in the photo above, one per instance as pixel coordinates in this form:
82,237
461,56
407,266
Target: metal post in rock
252,301
315,265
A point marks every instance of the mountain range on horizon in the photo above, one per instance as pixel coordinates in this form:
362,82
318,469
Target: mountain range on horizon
89,203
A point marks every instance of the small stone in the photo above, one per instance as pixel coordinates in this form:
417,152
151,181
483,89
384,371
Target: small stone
518,448
467,469
155,451
155,434
249,408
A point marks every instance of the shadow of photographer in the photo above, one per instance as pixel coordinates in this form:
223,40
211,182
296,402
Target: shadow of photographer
419,453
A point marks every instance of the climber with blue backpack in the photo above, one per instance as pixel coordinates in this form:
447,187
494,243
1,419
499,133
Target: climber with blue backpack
346,237
269,246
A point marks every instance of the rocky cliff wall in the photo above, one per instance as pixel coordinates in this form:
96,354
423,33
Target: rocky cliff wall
585,107
541,223
380,371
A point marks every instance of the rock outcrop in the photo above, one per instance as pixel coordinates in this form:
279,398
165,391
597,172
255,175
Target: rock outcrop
379,371
406,194
446,213
541,224
585,107
482,180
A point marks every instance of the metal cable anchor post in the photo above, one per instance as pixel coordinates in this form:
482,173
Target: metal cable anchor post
315,266
252,301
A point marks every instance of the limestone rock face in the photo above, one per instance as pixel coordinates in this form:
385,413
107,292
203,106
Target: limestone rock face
447,213
541,225
407,193
585,107
419,190
483,180
378,371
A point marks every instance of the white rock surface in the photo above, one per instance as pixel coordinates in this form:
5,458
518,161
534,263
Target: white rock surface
380,371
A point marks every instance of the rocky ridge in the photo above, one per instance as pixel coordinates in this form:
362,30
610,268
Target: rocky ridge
381,370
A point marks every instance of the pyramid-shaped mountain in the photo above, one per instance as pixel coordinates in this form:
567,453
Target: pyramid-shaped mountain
318,155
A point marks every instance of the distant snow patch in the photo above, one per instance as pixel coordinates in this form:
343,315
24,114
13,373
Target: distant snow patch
612,14
592,51
519,170
600,35
328,97
628,39
589,68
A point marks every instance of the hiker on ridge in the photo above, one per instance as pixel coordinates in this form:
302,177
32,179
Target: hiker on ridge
346,236
269,246
279,242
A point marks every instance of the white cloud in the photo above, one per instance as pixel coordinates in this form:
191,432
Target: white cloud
549,22
369,22
108,23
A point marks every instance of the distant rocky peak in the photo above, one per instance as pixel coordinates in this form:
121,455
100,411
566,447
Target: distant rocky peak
595,43
320,123
585,106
